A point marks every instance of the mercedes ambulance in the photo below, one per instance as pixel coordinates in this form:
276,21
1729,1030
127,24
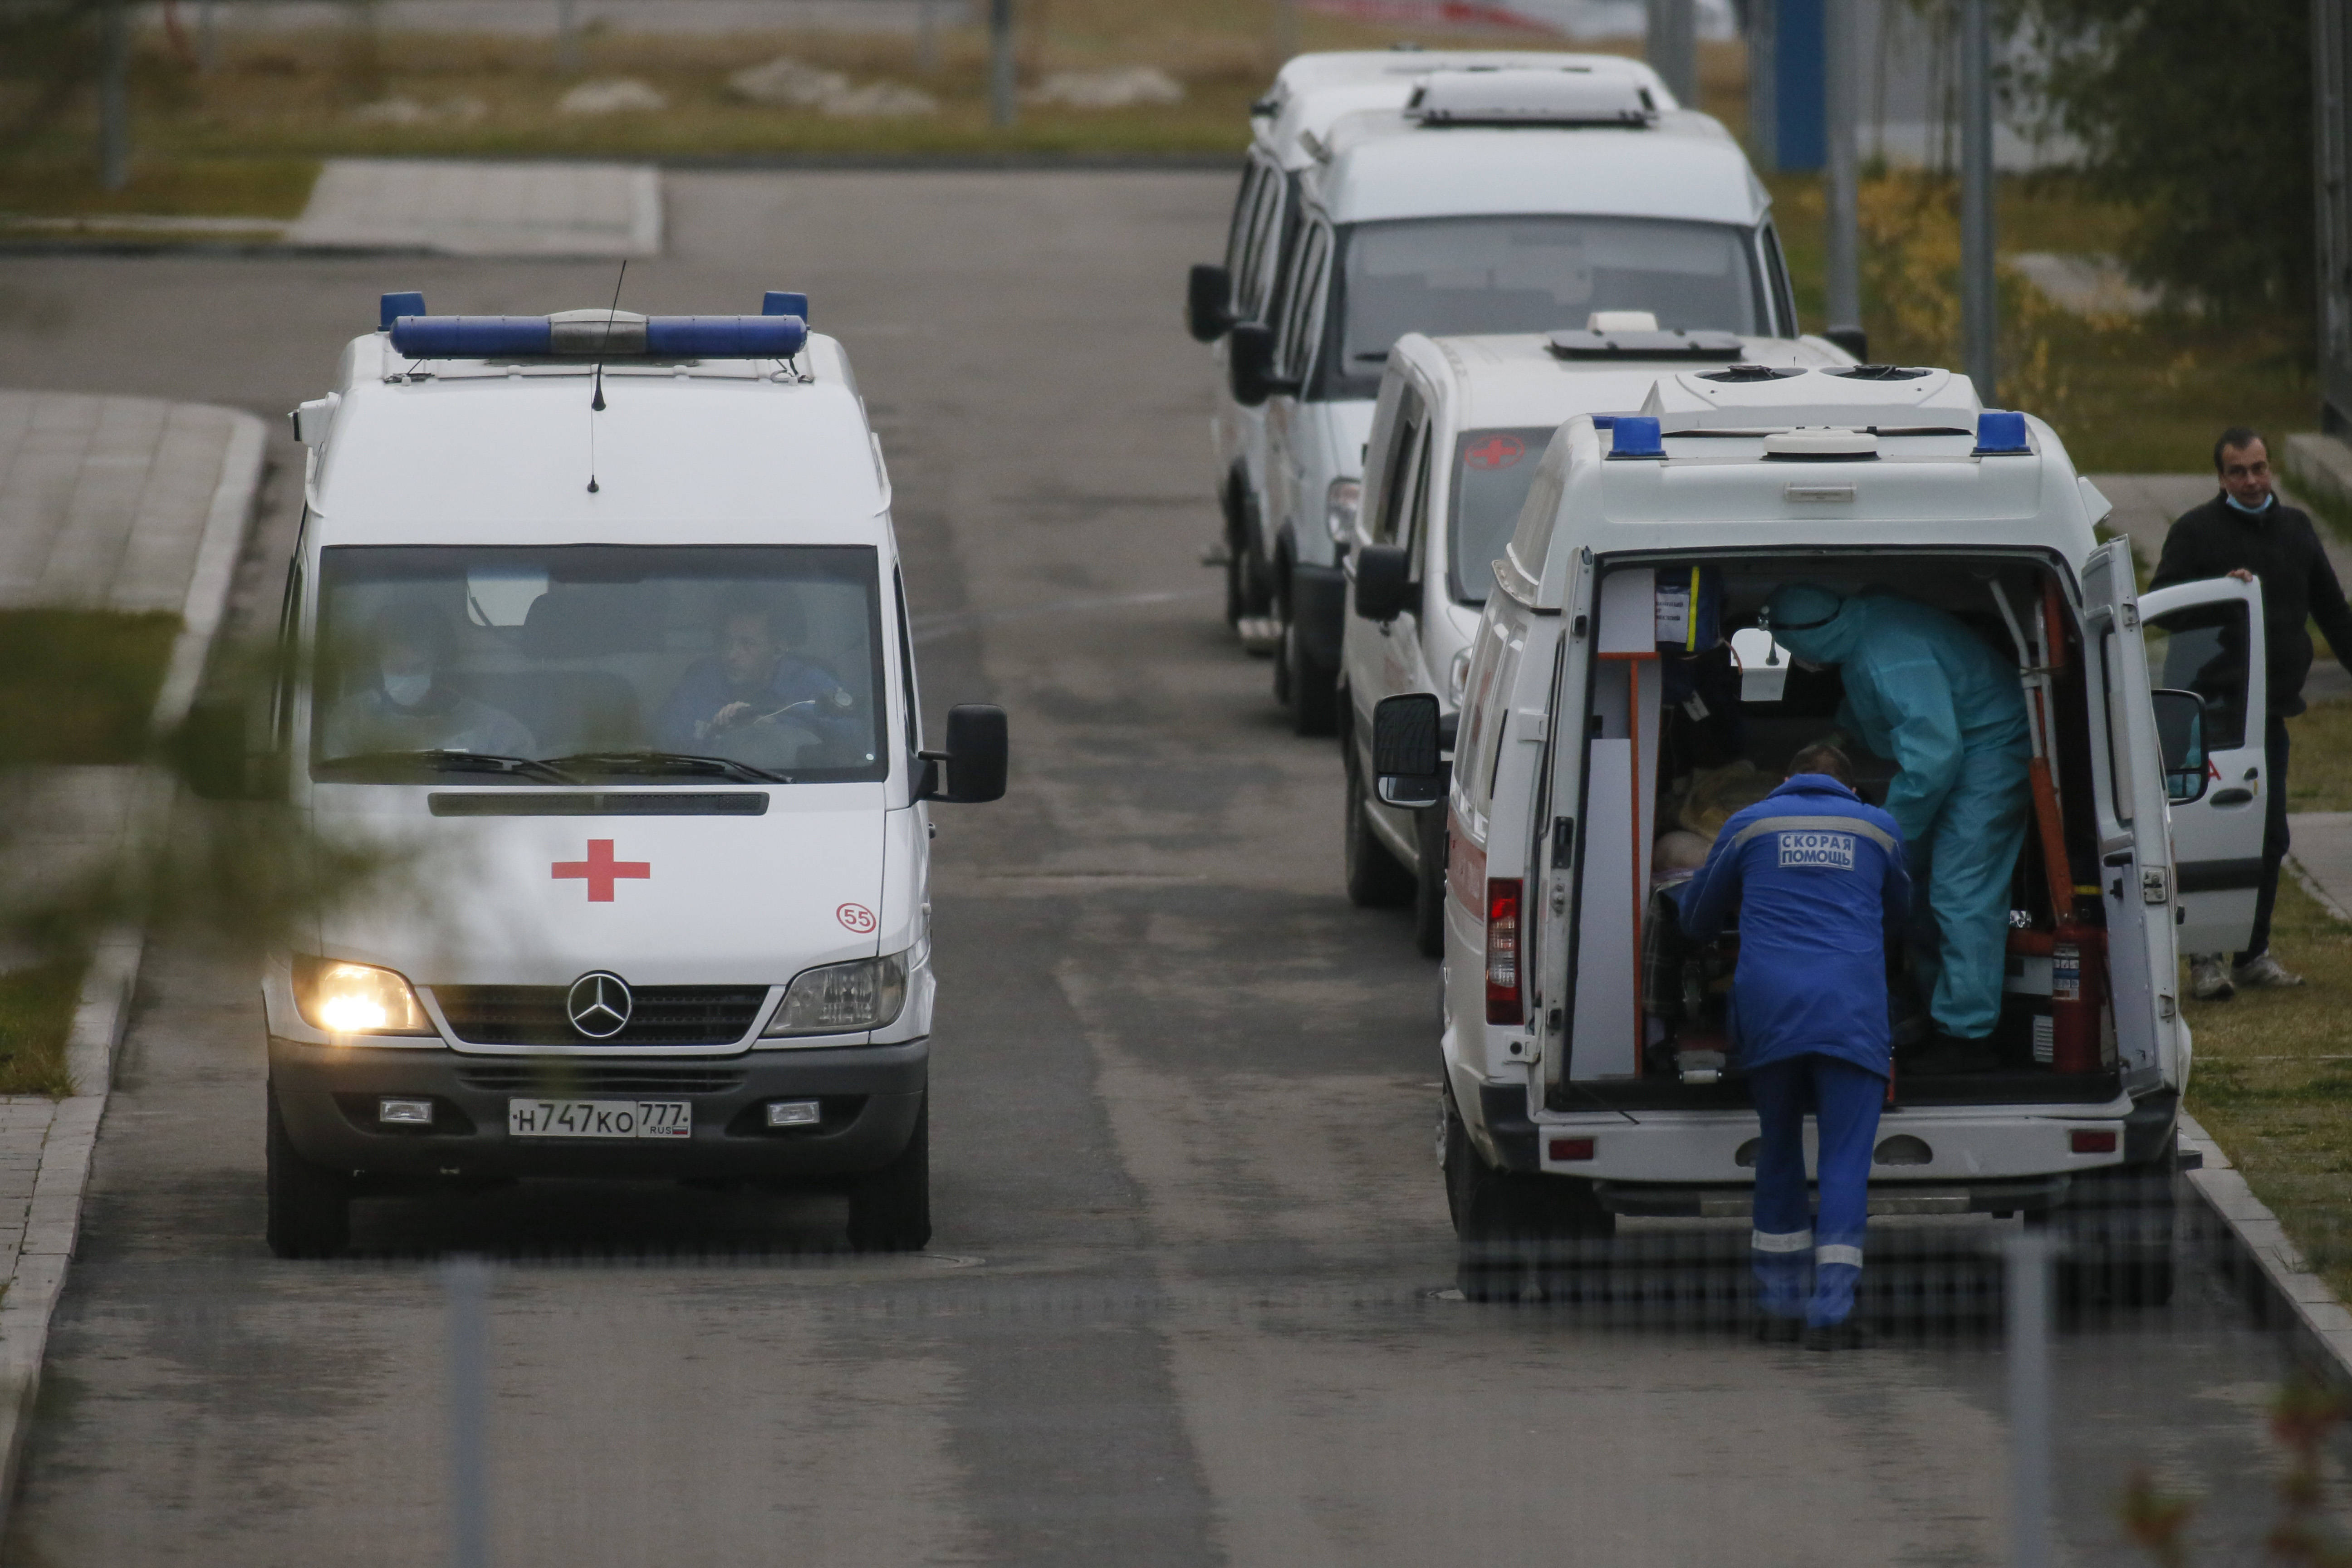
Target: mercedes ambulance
595,641
1622,702
1512,200
1458,432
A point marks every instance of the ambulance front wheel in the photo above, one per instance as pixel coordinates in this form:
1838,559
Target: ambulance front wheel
309,1205
890,1209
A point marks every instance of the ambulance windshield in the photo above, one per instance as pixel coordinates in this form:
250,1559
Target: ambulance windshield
1491,470
583,662
1535,274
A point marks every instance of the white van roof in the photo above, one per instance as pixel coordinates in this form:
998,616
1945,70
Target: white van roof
1717,487
1502,380
1312,92
1683,165
715,451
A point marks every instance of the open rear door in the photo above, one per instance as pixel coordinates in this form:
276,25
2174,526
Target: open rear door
2134,826
2207,637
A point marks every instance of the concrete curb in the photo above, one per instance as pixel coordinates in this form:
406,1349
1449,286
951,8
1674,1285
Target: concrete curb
37,1276
2282,1287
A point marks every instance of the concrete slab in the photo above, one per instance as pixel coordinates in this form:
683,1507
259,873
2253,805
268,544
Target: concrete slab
458,207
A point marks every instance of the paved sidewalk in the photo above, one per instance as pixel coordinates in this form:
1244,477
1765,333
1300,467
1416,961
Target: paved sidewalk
121,503
461,207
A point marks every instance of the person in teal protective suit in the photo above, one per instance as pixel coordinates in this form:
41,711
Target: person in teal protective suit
1925,691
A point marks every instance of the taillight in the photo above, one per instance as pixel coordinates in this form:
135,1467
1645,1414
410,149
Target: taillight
1503,1004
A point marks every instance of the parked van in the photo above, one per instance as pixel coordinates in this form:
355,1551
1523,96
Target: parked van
1495,201
1287,130
595,635
1589,1071
1458,432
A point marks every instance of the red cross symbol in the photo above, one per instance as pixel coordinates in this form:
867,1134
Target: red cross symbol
601,871
1496,451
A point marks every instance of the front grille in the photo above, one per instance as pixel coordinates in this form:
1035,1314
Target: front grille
573,1076
662,1016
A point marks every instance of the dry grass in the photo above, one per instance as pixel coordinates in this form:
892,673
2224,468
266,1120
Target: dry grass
2273,1079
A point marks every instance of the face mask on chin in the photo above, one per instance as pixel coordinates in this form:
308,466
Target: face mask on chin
408,690
2238,505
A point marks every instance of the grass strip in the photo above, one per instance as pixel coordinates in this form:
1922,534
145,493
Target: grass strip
77,687
37,1011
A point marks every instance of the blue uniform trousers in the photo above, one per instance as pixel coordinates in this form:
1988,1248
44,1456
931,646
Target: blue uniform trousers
1789,1243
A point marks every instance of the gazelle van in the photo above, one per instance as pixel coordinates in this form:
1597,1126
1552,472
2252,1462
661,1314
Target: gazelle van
1621,694
596,635
1458,432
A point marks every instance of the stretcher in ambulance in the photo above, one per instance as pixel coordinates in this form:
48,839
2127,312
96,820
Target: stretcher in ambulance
595,644
1622,702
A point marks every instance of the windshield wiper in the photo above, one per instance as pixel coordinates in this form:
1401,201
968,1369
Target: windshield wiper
668,762
458,762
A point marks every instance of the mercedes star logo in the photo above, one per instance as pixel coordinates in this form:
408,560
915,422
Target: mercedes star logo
599,1005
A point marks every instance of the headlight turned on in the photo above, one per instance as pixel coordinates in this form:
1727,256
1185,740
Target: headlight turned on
356,999
843,999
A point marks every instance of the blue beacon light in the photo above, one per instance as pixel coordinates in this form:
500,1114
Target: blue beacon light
2000,433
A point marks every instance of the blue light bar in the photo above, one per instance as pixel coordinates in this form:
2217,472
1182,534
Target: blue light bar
2000,433
1636,435
394,305
780,303
469,337
725,337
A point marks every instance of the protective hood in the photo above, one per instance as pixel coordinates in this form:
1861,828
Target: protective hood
1811,622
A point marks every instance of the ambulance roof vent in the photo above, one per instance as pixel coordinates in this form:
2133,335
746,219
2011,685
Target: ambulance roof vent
1588,343
1521,95
1820,443
1938,401
780,331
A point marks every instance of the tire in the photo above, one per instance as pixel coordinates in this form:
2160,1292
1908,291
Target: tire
1429,882
309,1205
1517,1234
1376,880
1311,690
890,1209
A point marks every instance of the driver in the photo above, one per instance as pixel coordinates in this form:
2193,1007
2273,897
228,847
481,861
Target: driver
754,682
408,708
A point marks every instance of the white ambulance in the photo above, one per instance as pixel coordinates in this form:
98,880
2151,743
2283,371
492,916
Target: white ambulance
1457,435
595,637
1515,200
1622,702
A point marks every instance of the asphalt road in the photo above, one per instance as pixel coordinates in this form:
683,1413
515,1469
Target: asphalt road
1187,1302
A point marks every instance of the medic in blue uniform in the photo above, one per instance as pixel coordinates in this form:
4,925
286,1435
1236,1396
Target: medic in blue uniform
1816,875
1931,696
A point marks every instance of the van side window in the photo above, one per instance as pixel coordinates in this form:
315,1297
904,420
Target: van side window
1303,310
1397,471
1260,247
1784,299
1238,232
907,675
2120,778
289,644
1416,513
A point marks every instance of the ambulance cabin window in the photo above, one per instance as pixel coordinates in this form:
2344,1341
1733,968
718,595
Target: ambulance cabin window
1492,471
675,664
2203,649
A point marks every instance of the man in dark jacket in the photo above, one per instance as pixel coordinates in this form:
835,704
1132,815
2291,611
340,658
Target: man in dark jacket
2247,532
1818,880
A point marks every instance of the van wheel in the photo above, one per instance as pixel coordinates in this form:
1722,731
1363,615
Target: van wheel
1375,880
1429,882
309,1205
890,1209
1517,1234
1312,691
2115,1227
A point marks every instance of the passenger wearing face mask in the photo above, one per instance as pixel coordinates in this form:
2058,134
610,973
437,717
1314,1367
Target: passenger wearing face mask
406,706
1928,694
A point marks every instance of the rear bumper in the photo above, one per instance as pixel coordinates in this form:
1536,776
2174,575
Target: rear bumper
870,1096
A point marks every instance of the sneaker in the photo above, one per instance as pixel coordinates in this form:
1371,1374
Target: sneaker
2264,973
1846,1336
2209,978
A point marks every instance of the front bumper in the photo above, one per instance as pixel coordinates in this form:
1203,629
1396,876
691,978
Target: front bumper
870,1096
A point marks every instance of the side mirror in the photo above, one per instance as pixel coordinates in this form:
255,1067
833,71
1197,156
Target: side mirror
1383,587
2181,736
1251,359
975,758
1405,750
1854,340
1208,303
211,750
